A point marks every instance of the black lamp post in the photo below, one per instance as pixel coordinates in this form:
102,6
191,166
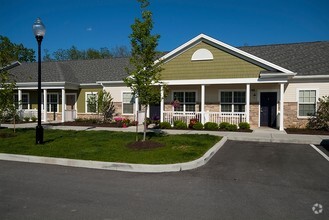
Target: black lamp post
39,31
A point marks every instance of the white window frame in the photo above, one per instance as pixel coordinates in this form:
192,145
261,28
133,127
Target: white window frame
86,103
48,103
298,102
232,103
28,100
134,102
184,104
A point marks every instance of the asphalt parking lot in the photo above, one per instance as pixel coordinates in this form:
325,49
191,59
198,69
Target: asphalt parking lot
244,180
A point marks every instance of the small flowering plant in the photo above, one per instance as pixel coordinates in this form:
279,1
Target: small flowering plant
122,122
175,103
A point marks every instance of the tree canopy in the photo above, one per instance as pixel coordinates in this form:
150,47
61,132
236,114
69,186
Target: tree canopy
11,52
74,53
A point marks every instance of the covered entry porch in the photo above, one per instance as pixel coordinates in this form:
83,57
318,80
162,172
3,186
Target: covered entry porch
260,103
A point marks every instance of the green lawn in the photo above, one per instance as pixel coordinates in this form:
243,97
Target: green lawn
106,146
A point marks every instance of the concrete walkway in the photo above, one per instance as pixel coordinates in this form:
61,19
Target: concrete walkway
258,134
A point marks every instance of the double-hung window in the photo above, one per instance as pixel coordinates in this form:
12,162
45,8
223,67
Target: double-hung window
52,102
186,101
307,102
91,102
233,101
24,102
128,101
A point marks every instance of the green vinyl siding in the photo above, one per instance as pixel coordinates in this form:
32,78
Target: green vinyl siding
81,102
224,65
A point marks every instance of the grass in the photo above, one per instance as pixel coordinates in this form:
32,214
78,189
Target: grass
106,146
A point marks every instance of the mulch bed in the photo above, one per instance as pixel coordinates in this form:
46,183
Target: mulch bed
147,144
306,131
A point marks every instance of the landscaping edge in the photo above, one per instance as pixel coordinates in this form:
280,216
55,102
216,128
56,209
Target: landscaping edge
127,167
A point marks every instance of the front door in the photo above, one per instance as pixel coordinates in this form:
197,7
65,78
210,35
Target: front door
155,111
70,113
268,101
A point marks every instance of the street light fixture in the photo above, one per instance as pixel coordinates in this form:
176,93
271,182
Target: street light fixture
39,31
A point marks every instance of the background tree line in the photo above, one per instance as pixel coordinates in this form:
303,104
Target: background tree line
74,53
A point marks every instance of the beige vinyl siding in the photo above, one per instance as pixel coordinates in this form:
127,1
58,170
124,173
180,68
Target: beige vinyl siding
224,65
291,93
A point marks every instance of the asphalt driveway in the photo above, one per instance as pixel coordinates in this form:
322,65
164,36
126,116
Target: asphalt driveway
244,180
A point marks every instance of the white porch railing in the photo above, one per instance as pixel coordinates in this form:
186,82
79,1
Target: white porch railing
29,113
170,116
217,117
70,115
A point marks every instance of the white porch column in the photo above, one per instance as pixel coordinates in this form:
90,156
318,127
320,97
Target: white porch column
20,107
202,103
161,104
45,105
248,103
281,106
63,105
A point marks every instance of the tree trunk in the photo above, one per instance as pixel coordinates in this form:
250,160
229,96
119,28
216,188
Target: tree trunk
145,123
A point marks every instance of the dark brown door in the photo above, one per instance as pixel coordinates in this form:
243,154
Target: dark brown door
268,101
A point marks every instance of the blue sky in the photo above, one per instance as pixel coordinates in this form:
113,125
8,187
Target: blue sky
106,23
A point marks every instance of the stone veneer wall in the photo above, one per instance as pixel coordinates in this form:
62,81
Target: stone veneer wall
254,115
290,116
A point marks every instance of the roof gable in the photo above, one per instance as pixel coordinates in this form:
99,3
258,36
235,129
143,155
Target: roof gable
249,59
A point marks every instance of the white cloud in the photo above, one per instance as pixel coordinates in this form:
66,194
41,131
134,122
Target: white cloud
89,29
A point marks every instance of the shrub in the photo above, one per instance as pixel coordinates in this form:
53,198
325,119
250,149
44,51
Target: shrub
34,119
198,126
193,121
244,125
79,120
211,126
181,125
232,127
320,120
177,122
26,119
224,125
165,125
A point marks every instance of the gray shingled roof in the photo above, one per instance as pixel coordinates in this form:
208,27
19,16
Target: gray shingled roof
74,71
303,58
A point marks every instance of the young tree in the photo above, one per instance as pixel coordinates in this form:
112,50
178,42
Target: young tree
105,105
144,75
320,120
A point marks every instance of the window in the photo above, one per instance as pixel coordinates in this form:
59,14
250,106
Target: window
52,101
128,101
233,101
24,102
91,102
186,100
307,102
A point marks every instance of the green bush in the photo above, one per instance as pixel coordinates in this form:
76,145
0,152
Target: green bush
34,119
26,119
165,125
181,125
244,125
211,126
320,119
198,126
232,127
224,125
177,122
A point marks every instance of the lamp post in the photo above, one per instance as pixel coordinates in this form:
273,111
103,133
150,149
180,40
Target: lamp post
39,31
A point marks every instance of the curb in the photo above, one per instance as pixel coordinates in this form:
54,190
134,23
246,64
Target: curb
127,167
